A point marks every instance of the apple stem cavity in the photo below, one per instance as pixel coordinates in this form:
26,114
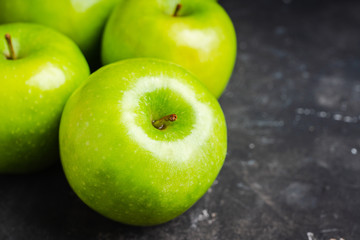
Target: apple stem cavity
11,56
163,122
177,9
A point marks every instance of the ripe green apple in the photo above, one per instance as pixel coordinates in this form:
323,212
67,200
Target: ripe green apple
39,69
142,141
81,20
197,34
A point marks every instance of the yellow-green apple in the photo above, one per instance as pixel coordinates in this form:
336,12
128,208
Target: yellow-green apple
39,69
81,20
142,141
197,34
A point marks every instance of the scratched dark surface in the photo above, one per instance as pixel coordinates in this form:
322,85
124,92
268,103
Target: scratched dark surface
293,164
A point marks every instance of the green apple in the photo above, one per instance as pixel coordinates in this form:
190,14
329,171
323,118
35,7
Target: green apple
81,20
39,69
197,34
142,141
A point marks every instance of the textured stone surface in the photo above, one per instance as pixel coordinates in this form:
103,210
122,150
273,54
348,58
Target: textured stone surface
292,170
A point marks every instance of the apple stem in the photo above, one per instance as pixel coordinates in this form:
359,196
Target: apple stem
163,122
10,46
177,9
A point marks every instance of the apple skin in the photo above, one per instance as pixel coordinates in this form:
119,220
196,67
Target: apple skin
33,92
123,167
201,38
81,20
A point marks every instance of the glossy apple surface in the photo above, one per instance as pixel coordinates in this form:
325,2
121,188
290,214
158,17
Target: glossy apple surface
124,167
34,88
201,37
81,20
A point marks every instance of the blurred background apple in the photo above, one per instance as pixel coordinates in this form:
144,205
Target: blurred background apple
81,20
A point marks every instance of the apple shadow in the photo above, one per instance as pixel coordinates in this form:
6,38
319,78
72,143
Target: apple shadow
43,206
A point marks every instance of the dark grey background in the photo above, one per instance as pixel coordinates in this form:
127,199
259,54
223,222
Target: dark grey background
293,164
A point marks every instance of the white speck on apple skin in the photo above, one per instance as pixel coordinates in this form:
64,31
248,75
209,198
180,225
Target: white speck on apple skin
48,78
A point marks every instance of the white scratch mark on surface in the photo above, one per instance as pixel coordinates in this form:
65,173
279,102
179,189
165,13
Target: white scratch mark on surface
204,215
322,114
354,151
